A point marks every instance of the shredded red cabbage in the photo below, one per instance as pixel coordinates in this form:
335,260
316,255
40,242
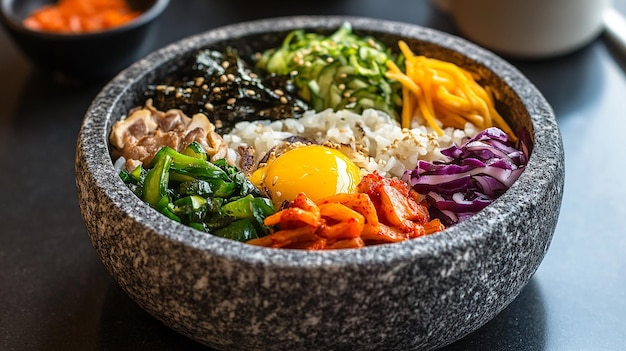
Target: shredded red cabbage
472,177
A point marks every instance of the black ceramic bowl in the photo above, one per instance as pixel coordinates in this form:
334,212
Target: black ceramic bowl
80,55
414,295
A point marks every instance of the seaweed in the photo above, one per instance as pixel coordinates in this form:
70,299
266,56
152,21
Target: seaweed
223,86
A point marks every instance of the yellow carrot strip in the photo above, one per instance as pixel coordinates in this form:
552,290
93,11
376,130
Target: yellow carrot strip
393,67
454,101
420,105
406,51
454,120
427,88
497,117
443,93
407,108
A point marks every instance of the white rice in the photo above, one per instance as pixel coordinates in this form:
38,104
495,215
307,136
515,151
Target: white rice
385,147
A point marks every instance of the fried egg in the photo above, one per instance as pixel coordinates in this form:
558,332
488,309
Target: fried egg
315,170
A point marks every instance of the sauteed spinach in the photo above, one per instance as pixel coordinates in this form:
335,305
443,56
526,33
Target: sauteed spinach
213,197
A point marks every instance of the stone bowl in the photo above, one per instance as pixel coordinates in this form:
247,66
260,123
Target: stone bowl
419,294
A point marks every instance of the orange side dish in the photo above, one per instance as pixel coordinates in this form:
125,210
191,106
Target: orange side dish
382,211
81,16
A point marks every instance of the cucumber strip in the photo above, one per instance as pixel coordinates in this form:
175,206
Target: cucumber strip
329,69
195,150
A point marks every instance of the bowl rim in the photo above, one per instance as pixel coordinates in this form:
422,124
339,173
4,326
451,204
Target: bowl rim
13,22
94,133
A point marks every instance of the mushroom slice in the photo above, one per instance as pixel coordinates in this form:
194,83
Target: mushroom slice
132,128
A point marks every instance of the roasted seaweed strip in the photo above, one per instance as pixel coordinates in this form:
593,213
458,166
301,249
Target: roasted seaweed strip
223,87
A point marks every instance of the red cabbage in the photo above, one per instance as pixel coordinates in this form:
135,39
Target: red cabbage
473,175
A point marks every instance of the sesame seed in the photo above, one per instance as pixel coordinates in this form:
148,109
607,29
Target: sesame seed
231,101
225,64
216,90
230,77
209,106
279,92
250,92
283,100
199,81
223,79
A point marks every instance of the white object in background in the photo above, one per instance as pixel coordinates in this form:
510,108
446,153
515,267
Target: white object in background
528,28
615,26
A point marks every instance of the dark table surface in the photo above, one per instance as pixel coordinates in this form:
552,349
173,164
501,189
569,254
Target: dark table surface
56,295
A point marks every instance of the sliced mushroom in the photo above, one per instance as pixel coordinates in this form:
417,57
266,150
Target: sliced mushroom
219,149
132,128
140,136
246,163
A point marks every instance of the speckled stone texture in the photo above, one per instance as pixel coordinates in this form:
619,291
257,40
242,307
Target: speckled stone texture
420,294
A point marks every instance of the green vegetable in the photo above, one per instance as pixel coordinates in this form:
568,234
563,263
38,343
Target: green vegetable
213,197
188,167
339,71
155,184
249,207
138,174
192,207
241,230
196,150
134,180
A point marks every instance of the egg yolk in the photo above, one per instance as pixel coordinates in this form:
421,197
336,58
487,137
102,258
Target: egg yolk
315,170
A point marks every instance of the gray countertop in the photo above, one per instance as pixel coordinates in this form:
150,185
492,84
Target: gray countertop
56,295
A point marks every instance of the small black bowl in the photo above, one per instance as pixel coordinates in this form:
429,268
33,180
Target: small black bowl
79,56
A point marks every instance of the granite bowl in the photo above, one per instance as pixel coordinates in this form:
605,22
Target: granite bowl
80,56
419,294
